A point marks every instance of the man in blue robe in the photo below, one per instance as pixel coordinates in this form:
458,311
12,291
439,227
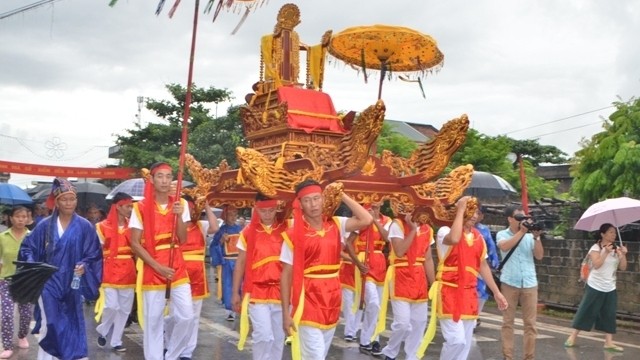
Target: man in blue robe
71,243
492,259
226,239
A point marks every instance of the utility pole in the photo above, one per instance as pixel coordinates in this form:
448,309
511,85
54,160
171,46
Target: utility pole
140,100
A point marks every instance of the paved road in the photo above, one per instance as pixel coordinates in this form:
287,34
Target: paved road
217,340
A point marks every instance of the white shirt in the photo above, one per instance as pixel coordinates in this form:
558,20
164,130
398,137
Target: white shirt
604,278
135,223
286,254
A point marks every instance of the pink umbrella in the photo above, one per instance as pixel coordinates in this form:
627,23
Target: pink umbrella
618,211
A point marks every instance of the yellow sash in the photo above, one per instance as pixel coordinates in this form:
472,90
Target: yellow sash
434,295
99,304
244,321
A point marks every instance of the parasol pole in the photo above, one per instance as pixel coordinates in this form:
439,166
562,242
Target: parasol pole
363,279
615,220
183,144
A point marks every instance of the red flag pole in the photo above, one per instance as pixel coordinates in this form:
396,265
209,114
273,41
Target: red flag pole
183,144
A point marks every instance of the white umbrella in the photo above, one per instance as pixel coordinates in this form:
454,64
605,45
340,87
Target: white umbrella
617,212
135,188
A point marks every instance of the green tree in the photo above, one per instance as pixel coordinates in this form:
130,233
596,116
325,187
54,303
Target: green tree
142,146
217,139
608,164
489,154
395,142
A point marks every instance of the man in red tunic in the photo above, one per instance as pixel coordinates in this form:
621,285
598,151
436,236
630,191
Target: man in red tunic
119,272
410,272
160,263
310,263
350,312
258,269
368,244
462,256
193,254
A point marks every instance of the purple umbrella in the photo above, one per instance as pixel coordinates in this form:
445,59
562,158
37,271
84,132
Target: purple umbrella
617,212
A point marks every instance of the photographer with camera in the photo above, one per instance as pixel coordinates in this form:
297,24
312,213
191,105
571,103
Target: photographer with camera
518,277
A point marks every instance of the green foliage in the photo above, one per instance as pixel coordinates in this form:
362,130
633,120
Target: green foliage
608,164
142,146
217,139
397,143
489,154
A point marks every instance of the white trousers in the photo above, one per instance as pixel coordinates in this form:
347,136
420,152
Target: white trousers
409,324
314,342
351,320
458,337
117,306
193,329
180,309
267,335
372,296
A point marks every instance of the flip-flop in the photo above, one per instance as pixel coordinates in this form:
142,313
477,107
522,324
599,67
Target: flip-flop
569,344
614,348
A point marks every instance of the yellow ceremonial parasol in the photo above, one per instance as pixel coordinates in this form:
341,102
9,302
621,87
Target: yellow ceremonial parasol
386,48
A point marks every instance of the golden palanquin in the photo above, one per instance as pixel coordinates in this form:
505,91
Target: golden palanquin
295,134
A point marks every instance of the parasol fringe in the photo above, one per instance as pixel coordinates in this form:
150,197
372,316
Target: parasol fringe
242,20
421,88
159,8
174,8
363,64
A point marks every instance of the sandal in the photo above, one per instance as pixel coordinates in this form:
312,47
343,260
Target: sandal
613,348
569,343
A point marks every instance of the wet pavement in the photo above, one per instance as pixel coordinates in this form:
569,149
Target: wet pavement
218,338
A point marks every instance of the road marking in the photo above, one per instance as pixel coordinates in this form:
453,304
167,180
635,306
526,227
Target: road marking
558,329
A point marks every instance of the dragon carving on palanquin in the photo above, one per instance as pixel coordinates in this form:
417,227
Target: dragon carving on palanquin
353,150
260,173
431,158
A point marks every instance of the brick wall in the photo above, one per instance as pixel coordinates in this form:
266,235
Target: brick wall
559,271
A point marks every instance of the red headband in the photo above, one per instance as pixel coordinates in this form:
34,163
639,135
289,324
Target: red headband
161,167
265,204
124,202
311,189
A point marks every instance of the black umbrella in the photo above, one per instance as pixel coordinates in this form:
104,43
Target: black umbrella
487,185
25,286
88,193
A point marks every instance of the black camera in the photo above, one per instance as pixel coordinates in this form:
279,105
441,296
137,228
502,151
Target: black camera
534,225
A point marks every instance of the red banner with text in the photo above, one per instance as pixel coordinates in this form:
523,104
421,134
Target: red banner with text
66,171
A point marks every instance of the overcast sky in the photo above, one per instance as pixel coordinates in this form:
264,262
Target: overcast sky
73,70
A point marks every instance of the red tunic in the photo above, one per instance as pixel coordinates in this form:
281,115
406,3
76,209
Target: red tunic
151,280
266,267
458,294
118,270
377,262
193,254
347,275
323,297
410,277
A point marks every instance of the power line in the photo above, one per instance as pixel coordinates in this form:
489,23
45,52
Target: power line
569,129
561,119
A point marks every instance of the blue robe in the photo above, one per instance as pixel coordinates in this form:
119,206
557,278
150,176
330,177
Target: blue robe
228,265
492,260
60,306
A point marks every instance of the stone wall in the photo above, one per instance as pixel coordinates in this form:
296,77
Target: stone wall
559,272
